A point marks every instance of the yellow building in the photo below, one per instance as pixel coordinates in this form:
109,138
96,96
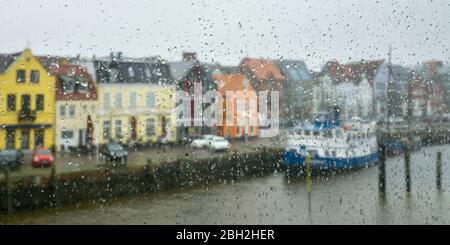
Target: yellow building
136,102
27,101
135,113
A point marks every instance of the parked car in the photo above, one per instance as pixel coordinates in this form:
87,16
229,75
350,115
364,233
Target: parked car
203,141
42,157
11,158
114,152
220,144
212,142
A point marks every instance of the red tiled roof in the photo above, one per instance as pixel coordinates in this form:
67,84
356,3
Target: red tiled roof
262,69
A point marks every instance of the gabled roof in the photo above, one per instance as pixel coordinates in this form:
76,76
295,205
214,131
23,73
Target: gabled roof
352,72
49,61
7,59
179,69
261,69
132,71
230,82
295,70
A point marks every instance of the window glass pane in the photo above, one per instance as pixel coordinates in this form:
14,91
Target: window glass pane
118,100
150,127
106,130
72,110
62,110
40,102
106,101
118,129
20,76
11,102
34,76
151,100
133,100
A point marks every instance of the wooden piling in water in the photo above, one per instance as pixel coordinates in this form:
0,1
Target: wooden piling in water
382,170
308,172
438,170
408,168
308,160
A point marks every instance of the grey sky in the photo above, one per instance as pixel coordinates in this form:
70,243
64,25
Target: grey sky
315,31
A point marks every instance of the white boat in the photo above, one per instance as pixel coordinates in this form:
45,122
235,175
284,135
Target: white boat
333,144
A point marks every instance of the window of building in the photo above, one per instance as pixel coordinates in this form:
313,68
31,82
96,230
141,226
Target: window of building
26,102
34,76
39,137
147,72
67,134
20,76
150,127
62,110
72,110
118,129
133,100
131,72
106,101
68,84
39,102
11,100
81,84
106,129
151,100
118,101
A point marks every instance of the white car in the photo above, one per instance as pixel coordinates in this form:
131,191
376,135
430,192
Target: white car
202,142
212,142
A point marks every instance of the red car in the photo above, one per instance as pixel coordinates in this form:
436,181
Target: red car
42,157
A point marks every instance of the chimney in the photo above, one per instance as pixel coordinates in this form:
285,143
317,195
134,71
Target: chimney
189,56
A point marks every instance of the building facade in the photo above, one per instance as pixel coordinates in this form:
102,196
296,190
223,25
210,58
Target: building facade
187,74
242,90
27,95
355,98
298,90
136,101
265,76
75,108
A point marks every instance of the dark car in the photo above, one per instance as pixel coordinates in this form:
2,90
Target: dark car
114,152
11,158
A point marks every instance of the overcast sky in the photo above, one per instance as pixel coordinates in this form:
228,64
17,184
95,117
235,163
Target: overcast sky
315,31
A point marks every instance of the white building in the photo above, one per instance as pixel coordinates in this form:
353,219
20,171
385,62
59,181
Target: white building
355,99
324,92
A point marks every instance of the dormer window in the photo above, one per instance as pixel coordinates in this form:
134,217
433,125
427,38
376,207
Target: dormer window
81,84
68,84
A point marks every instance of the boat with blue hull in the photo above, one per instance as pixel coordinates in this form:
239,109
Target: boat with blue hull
332,144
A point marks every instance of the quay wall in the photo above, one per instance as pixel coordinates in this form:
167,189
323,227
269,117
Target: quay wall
107,184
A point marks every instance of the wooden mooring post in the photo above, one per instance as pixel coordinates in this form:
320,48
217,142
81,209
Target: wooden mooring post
438,170
382,170
308,160
408,168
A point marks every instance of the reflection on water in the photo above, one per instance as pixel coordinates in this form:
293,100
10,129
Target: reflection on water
348,198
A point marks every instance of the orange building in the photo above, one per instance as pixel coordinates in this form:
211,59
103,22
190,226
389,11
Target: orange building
242,94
